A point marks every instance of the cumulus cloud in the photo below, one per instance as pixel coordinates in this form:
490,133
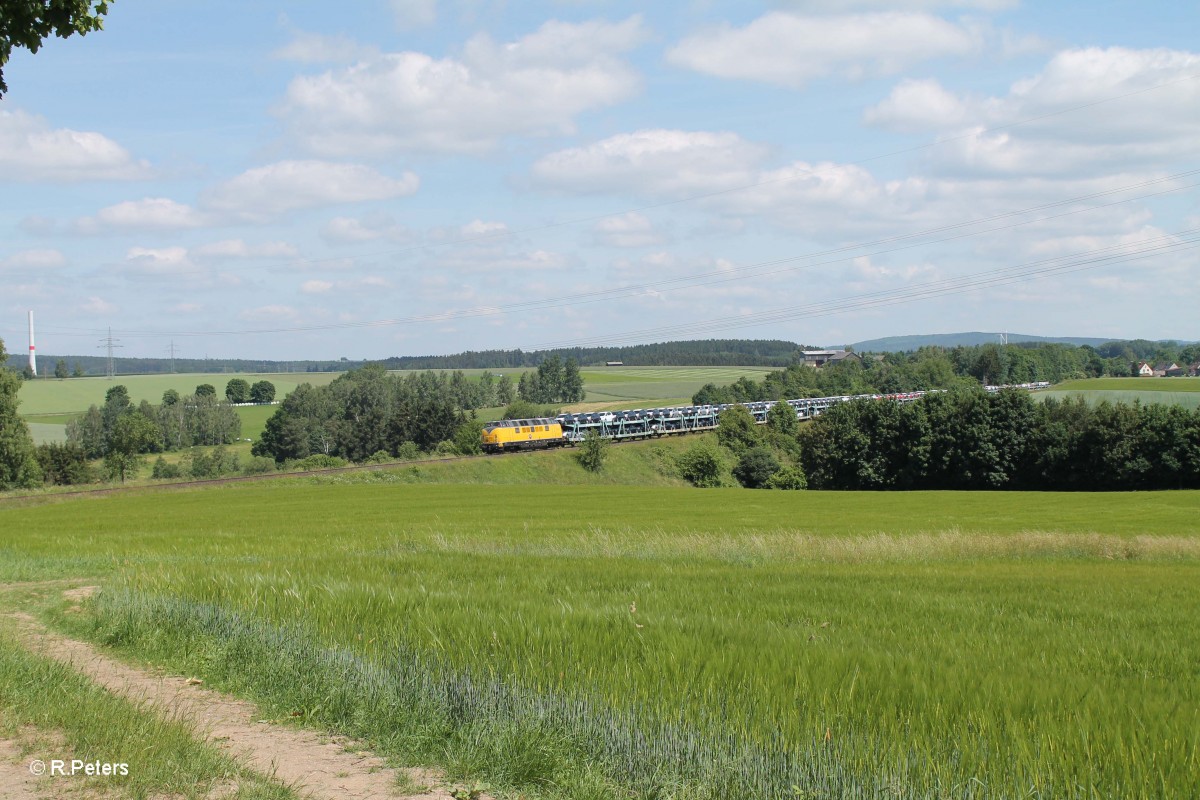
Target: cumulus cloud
316,48
316,287
97,305
159,260
408,101
1089,109
147,214
37,259
30,150
275,189
668,162
414,13
791,50
270,313
365,229
238,248
628,230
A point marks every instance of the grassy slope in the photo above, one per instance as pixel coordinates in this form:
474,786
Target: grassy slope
903,624
54,712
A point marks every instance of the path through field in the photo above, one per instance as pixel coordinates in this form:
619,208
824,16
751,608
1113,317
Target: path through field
315,767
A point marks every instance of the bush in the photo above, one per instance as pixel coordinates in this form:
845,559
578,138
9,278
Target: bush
163,471
408,451
201,463
64,464
756,467
788,478
593,452
319,461
378,457
259,465
468,438
737,429
701,465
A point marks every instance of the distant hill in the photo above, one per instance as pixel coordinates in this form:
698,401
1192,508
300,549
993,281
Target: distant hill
695,353
890,344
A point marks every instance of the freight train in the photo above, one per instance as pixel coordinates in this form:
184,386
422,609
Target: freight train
505,436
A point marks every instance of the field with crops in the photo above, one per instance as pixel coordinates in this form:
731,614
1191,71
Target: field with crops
581,640
1168,391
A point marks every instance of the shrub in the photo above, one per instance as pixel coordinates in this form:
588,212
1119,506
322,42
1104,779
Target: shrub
408,451
259,465
788,478
201,463
737,429
164,471
64,464
756,467
320,461
468,438
701,465
593,452
378,457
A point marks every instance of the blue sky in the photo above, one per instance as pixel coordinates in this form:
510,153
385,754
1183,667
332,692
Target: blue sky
299,180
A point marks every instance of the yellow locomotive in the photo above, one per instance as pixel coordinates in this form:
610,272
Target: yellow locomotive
507,435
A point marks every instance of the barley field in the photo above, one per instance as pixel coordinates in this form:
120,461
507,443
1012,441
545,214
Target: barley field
589,641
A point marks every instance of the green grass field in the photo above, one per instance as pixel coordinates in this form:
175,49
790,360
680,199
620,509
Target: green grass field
1183,392
56,401
694,643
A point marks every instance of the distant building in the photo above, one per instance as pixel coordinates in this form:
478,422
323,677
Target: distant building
819,358
1194,370
1168,370
614,363
1142,369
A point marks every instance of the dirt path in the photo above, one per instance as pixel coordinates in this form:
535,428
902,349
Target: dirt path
314,766
17,781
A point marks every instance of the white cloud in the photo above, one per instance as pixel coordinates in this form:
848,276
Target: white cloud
414,13
918,105
147,214
270,313
315,48
365,229
791,50
894,5
265,192
159,260
479,228
661,162
238,248
30,150
38,259
316,287
97,305
628,230
1146,113
408,101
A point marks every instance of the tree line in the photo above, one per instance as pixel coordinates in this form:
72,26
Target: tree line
968,439
926,368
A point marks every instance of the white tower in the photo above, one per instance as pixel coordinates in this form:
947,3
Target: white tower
32,352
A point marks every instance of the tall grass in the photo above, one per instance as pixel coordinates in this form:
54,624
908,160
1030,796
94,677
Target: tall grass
55,712
682,642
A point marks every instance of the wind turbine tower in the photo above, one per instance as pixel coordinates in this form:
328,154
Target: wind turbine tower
32,351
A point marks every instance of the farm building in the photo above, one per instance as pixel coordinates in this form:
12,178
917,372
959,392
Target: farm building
819,358
1142,369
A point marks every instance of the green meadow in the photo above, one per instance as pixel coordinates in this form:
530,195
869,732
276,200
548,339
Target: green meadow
1168,391
585,641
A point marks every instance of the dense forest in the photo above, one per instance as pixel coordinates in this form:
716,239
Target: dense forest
967,439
